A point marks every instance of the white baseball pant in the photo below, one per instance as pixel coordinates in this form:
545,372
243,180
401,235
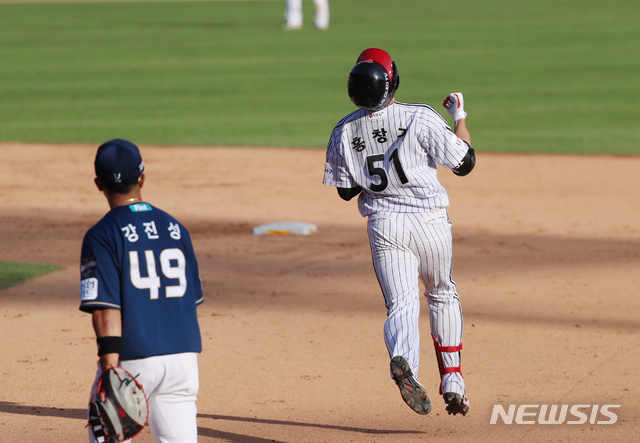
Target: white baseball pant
171,383
406,248
293,13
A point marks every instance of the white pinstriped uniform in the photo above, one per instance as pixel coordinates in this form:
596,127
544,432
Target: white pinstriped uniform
392,154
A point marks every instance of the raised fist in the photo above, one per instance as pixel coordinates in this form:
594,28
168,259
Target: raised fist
455,105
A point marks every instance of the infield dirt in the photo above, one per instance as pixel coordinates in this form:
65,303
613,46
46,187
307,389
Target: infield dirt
546,257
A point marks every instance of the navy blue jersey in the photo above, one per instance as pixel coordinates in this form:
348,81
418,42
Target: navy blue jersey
140,260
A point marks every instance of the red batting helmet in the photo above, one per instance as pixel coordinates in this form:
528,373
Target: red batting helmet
374,80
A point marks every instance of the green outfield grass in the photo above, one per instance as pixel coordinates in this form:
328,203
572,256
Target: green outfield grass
543,76
13,273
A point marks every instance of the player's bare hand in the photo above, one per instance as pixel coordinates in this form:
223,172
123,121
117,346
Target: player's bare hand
455,105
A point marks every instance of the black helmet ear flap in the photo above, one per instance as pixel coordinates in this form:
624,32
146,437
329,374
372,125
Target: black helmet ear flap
395,82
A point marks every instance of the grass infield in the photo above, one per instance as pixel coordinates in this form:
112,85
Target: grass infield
14,273
544,76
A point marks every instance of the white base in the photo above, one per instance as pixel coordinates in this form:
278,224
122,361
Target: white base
285,228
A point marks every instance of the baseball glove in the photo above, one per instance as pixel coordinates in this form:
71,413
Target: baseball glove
119,409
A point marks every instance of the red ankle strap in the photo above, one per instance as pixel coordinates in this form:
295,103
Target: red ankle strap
445,348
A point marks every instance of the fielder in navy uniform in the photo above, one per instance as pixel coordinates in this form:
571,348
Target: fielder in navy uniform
387,152
140,281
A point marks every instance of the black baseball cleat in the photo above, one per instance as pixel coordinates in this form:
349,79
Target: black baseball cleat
413,393
455,403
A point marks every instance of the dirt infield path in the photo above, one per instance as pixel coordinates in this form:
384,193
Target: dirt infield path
547,253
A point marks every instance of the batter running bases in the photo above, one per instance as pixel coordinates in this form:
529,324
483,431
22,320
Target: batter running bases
386,153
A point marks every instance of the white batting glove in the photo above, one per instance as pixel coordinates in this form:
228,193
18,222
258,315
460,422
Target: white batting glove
455,106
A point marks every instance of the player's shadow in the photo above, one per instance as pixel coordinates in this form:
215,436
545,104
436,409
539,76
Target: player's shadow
42,411
207,432
81,414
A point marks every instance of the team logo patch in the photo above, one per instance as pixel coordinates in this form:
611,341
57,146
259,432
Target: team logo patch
89,289
87,266
328,170
455,140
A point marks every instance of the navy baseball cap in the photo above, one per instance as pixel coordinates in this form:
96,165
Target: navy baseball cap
118,162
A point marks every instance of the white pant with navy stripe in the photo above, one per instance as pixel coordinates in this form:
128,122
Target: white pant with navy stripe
406,247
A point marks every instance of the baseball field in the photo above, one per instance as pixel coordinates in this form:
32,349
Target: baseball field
231,114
